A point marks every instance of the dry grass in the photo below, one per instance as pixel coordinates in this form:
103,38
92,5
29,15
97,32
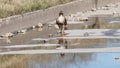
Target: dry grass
19,61
13,7
108,26
13,61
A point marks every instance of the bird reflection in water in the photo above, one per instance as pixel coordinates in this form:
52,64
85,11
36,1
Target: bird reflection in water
63,44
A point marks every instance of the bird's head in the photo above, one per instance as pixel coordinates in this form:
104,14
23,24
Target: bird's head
60,13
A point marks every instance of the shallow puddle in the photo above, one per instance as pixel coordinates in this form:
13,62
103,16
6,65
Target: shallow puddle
100,22
79,60
46,39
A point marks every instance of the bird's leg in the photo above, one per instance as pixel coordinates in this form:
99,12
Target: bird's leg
63,29
59,31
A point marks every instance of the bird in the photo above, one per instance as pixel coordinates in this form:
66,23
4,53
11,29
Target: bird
62,42
61,21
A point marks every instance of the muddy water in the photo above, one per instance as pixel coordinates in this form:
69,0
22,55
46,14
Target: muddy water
82,60
100,22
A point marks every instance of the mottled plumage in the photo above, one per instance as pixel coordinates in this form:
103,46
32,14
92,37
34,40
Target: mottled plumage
61,22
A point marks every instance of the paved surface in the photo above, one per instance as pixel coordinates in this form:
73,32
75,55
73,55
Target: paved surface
112,10
19,22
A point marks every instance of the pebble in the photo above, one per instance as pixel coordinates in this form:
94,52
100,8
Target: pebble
40,25
33,27
98,8
49,25
114,13
7,35
22,31
0,20
93,9
105,8
45,41
50,35
83,19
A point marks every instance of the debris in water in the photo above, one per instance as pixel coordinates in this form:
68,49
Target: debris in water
117,58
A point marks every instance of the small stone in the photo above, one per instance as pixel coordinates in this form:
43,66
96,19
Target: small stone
114,12
33,27
83,19
50,35
105,8
45,41
93,9
49,26
98,8
7,35
0,20
22,31
40,25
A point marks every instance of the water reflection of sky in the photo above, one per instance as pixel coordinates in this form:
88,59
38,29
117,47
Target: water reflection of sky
113,44
88,60
105,60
